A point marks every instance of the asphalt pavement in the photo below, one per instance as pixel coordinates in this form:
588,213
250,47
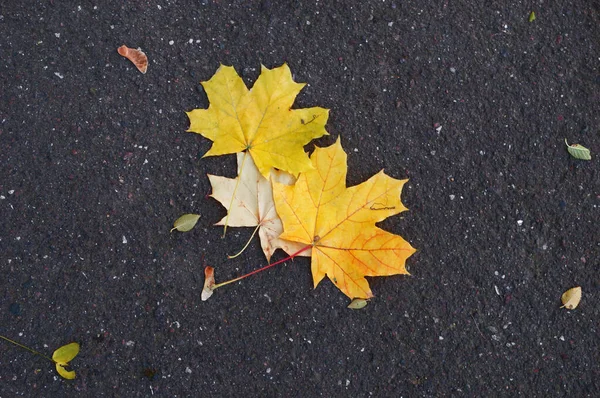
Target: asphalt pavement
471,101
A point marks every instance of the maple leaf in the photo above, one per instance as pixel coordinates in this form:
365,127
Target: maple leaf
339,222
260,120
252,203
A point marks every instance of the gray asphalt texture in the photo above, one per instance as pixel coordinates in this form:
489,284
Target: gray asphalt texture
471,102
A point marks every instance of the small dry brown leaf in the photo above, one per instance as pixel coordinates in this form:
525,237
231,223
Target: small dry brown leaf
571,298
139,59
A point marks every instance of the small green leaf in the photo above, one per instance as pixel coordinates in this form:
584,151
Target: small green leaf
578,151
358,303
186,222
532,16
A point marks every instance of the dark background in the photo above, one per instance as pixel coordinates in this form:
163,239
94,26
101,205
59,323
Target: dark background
95,165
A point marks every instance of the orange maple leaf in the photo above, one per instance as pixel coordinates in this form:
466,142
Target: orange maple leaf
339,222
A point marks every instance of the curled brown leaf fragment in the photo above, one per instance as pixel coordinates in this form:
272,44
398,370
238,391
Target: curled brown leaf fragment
139,59
571,298
209,283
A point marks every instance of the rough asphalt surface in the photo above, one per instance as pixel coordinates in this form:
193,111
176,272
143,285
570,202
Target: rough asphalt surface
470,102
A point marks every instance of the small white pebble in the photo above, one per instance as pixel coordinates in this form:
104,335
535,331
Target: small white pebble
191,41
59,75
519,222
188,370
11,191
171,42
390,24
441,338
562,338
355,149
452,197
268,370
57,35
124,239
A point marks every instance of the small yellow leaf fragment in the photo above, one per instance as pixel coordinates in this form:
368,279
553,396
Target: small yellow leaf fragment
61,358
358,303
209,283
185,223
61,368
532,16
571,298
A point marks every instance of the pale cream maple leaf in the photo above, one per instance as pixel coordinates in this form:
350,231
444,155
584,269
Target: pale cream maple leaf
253,204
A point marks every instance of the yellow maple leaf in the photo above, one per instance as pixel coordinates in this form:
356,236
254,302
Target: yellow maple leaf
252,203
339,222
260,120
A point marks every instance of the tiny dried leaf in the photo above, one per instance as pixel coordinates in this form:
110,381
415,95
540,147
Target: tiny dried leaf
209,283
571,298
532,16
185,223
578,151
358,303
